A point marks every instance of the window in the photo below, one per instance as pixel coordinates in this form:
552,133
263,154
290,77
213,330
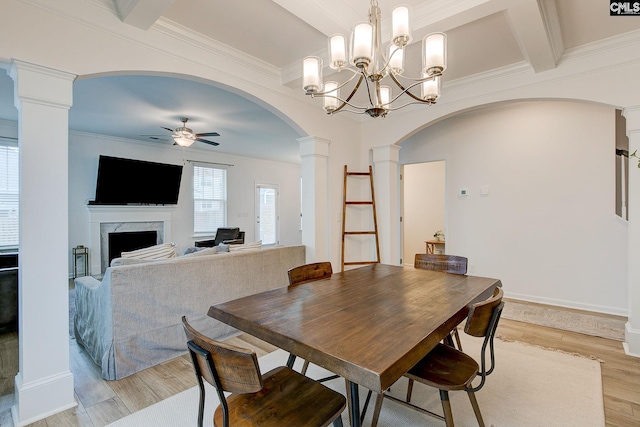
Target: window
209,199
9,196
267,213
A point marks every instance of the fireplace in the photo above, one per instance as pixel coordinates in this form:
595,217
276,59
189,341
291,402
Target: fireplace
106,220
130,241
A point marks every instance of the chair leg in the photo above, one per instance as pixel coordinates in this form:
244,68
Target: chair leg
348,389
457,337
338,421
377,409
290,360
476,408
446,407
201,404
409,390
305,366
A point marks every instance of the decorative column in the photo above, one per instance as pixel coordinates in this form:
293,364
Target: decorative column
632,328
314,153
44,384
386,176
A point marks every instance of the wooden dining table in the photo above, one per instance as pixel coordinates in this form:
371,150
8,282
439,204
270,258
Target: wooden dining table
369,325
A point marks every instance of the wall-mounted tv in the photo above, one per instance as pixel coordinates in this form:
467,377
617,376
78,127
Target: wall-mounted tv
136,182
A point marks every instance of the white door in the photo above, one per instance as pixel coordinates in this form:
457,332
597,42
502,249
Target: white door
267,213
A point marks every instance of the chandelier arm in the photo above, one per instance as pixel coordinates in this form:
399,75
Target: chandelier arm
353,92
355,74
412,103
404,90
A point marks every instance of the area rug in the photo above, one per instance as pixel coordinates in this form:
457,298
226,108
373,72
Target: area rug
566,320
530,387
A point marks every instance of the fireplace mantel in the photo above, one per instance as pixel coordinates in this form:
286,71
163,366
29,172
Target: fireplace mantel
123,215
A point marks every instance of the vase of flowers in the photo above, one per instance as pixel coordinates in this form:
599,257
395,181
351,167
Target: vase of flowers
439,235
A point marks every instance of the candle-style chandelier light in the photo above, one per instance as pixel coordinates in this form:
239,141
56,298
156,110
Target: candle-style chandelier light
373,65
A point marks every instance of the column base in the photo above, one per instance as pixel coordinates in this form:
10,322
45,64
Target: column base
632,341
40,399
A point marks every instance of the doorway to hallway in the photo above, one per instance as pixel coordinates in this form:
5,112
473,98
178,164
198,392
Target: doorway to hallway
423,206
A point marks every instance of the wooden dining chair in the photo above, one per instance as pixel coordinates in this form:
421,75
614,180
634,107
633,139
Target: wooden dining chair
449,369
304,274
281,397
448,264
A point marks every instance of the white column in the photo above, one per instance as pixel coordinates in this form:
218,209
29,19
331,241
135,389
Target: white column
386,183
44,384
314,153
632,329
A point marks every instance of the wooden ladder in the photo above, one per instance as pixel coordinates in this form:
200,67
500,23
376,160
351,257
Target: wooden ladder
371,203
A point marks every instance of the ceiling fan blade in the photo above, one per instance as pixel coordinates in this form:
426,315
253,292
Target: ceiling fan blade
155,134
8,137
170,130
208,142
198,135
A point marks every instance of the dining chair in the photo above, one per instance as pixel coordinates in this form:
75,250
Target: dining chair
449,369
304,274
446,263
280,397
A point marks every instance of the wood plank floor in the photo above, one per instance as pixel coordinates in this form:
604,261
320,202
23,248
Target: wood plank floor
102,402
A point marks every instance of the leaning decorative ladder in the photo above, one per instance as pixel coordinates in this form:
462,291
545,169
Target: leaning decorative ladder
347,203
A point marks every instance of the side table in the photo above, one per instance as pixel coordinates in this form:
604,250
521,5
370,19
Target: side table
431,245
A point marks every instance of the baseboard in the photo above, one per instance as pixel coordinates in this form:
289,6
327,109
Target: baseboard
40,399
568,304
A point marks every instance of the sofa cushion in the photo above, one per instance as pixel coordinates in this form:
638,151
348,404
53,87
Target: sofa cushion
130,261
161,251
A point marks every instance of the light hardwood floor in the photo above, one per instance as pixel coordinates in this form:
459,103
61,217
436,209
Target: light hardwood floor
102,402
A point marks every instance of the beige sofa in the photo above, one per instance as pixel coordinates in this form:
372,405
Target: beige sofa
130,320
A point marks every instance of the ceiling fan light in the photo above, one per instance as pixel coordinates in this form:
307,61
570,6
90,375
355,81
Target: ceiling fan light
183,141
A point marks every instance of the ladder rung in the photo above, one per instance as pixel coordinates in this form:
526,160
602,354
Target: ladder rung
361,263
358,173
359,232
359,203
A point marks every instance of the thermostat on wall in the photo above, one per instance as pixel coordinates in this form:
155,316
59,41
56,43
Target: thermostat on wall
463,192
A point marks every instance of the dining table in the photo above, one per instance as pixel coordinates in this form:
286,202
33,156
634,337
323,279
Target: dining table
369,325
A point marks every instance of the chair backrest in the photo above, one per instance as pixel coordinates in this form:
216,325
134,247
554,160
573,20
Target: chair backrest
309,273
447,263
226,233
482,321
226,367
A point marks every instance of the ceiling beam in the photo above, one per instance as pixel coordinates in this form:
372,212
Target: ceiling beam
327,16
536,27
141,13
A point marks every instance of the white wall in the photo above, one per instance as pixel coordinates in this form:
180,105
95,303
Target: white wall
84,150
424,206
548,227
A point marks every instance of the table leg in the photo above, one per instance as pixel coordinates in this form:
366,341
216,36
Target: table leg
355,405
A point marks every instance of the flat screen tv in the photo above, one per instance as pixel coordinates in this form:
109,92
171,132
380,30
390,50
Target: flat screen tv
136,182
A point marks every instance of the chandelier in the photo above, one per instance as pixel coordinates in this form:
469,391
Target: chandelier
371,65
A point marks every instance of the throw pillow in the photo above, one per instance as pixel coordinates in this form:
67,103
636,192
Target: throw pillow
223,247
246,247
202,252
164,250
191,249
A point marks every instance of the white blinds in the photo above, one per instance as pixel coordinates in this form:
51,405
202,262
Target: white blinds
209,198
9,196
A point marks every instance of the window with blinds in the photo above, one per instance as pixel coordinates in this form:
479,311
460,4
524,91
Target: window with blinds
9,196
209,199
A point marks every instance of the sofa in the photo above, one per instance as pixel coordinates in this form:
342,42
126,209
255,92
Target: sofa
130,320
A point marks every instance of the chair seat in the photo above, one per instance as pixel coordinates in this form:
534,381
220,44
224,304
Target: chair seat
287,399
445,368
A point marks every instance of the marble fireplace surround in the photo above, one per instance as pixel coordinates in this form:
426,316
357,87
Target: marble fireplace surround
109,219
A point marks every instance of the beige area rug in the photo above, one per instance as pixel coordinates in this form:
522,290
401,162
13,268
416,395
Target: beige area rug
530,387
598,326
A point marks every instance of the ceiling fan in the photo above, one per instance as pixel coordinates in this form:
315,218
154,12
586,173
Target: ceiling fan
184,136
